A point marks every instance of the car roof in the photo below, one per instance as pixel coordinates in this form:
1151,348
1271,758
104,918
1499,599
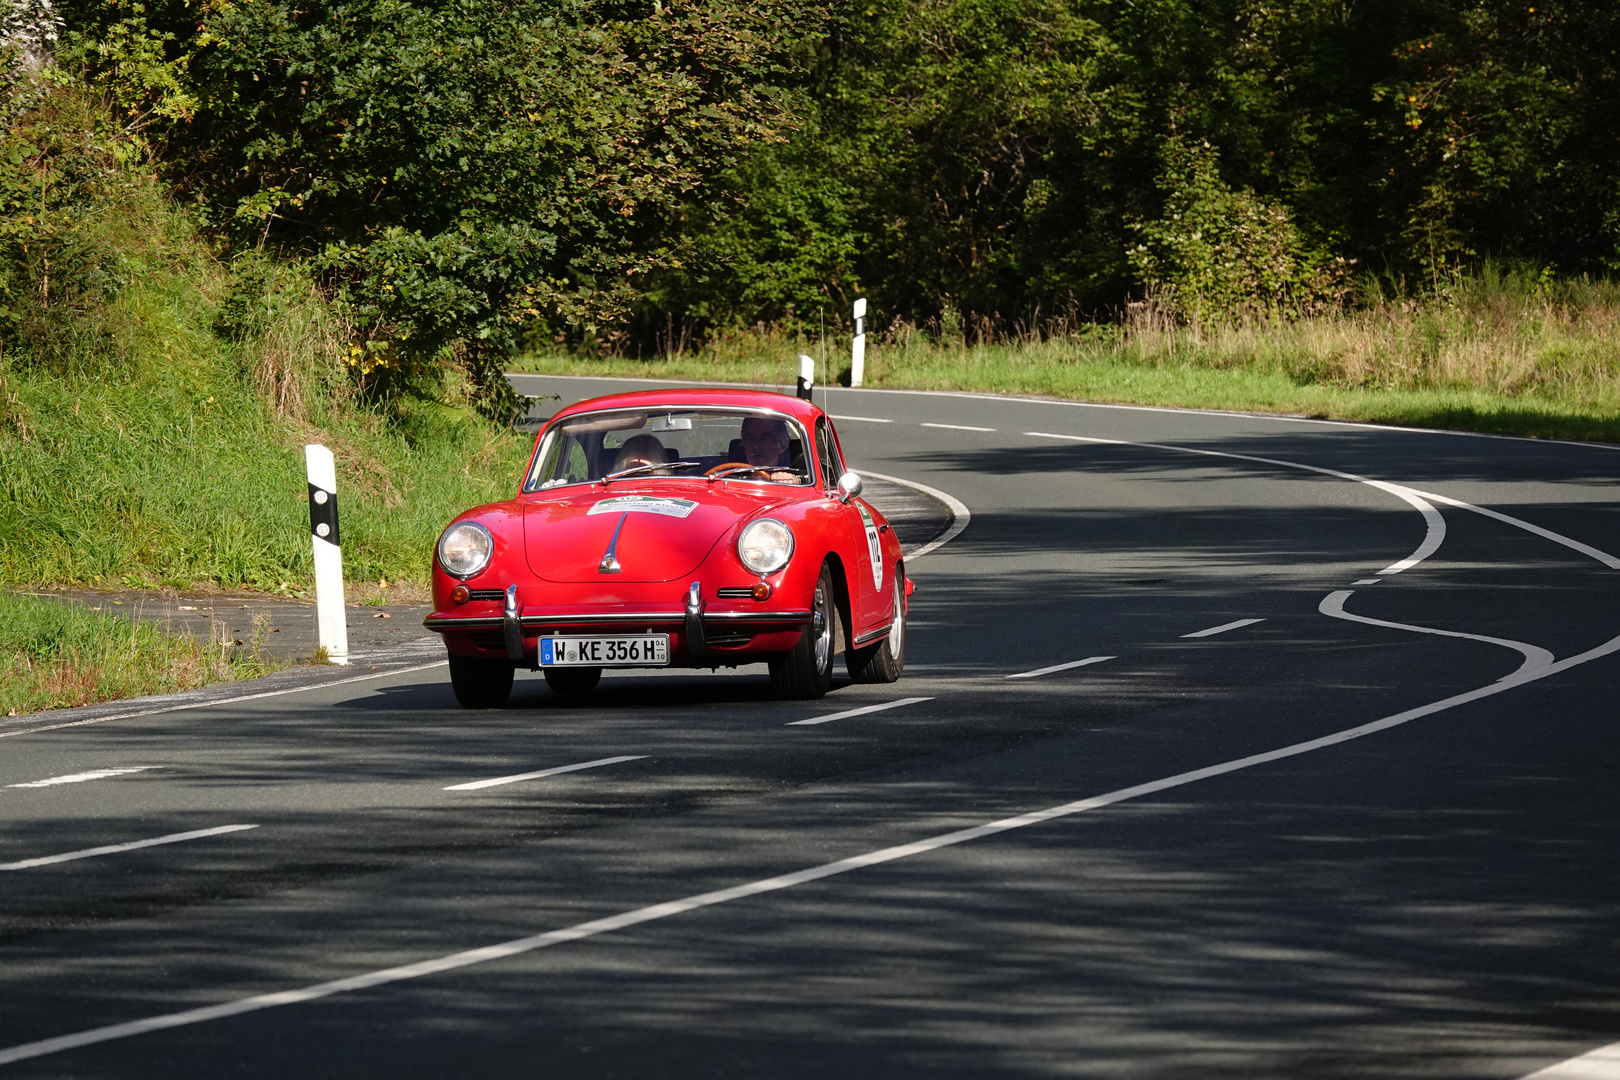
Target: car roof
686,397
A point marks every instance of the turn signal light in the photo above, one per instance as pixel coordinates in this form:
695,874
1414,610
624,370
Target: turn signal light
762,590
460,594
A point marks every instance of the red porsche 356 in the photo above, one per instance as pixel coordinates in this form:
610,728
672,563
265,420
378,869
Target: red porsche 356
674,528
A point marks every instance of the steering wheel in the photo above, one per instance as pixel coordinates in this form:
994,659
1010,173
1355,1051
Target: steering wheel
740,466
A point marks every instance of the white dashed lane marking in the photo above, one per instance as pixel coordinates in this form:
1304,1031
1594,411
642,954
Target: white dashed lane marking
670,908
864,710
1223,628
1060,667
957,427
539,773
1368,581
113,849
81,777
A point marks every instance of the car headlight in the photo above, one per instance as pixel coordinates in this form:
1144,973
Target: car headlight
765,546
465,549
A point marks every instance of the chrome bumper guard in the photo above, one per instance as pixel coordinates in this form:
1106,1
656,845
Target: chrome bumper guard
696,640
512,624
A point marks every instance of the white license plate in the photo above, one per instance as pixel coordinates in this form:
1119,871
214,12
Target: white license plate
643,650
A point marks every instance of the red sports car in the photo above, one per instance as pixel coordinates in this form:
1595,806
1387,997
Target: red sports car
674,528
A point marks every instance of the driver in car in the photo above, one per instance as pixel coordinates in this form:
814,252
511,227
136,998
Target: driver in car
765,443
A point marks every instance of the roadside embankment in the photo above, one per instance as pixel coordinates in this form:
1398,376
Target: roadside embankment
1491,355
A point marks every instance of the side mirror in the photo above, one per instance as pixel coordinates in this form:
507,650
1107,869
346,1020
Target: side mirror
849,486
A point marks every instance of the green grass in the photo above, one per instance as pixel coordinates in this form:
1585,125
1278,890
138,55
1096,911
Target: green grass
54,655
159,450
1491,356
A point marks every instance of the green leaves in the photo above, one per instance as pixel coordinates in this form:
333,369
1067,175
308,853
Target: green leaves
466,174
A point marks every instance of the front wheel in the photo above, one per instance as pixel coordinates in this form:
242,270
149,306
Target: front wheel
480,683
884,661
573,680
805,673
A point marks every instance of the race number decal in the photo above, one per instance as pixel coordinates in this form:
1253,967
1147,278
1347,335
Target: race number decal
643,504
873,546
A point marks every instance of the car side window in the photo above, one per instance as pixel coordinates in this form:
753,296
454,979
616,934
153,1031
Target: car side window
831,467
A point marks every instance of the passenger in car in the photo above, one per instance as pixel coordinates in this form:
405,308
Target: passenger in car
639,450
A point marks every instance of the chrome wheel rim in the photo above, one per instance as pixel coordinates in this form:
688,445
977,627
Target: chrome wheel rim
823,630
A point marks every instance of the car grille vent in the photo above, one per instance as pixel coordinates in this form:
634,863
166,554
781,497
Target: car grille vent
728,641
735,594
490,641
486,594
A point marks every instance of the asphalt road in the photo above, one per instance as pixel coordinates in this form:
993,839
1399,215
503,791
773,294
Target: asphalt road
1363,826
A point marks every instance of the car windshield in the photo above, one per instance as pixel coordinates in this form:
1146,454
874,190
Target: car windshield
697,443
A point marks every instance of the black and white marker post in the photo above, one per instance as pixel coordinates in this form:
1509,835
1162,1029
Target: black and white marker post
332,626
857,365
807,376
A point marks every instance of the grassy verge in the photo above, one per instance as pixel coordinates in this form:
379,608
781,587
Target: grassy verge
54,655
160,441
1490,356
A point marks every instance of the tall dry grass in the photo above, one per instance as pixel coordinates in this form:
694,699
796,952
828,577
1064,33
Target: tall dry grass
54,655
1502,352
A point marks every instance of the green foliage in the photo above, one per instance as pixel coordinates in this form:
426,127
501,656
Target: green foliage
1219,252
1001,161
462,175
154,401
956,151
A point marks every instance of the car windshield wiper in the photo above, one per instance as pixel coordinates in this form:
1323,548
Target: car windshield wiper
723,473
635,470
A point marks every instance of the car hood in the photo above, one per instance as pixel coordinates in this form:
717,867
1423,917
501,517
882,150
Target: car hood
666,532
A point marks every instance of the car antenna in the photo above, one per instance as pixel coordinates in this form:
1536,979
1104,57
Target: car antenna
823,314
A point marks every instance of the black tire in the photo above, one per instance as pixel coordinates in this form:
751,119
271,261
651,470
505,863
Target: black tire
480,683
884,661
805,674
572,680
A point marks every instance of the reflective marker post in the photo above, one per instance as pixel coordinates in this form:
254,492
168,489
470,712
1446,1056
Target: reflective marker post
332,626
857,366
807,376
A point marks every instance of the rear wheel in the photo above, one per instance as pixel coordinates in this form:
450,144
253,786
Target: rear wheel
806,672
884,661
480,683
573,680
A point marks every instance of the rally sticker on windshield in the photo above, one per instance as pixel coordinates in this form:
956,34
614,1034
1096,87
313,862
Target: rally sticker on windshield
643,504
873,546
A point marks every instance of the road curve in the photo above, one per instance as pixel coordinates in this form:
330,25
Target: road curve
1228,745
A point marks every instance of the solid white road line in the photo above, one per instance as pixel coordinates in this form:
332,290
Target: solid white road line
653,912
1223,628
223,701
1417,498
1600,1064
864,710
1546,534
112,849
957,427
960,514
1535,657
557,771
81,777
1432,540
1061,667
863,419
